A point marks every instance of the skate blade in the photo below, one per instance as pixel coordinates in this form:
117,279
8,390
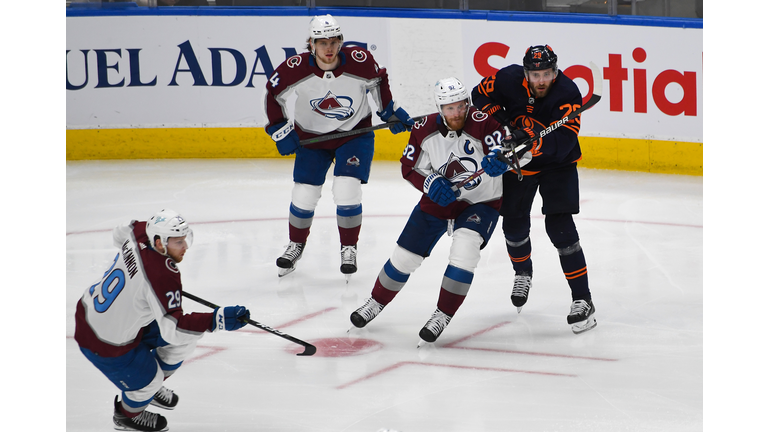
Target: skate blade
519,309
581,327
423,343
347,277
285,271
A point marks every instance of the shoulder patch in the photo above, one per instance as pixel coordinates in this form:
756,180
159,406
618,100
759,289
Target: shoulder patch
479,116
359,56
171,265
422,122
294,61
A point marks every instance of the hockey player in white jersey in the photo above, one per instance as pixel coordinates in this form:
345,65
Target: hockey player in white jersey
444,149
130,323
331,84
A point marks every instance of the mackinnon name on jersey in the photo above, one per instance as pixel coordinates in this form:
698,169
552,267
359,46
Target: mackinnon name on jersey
109,75
129,259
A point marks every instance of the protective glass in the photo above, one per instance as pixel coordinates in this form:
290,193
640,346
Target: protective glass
454,109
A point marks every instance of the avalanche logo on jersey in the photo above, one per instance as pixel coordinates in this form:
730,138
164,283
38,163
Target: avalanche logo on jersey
474,218
457,169
333,107
171,265
353,161
479,116
294,61
359,56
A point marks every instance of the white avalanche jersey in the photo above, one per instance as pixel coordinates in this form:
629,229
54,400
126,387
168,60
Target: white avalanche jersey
141,286
327,101
433,148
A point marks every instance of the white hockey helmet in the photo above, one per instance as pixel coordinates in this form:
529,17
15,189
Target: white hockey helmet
324,27
168,223
450,90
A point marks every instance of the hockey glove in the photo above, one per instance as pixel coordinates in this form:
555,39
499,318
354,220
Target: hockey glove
492,165
285,137
406,122
230,318
517,137
438,189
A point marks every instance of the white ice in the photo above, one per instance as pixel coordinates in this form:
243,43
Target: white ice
640,369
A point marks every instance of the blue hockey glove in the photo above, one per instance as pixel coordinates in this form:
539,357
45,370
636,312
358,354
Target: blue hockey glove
285,137
230,318
438,189
492,165
405,120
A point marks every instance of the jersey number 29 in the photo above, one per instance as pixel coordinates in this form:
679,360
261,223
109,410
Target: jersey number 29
111,285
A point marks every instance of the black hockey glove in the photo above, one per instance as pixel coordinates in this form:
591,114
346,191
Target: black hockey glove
517,137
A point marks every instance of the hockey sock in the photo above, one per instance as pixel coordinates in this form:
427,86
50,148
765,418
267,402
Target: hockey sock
574,267
388,284
349,219
449,302
299,223
520,255
454,289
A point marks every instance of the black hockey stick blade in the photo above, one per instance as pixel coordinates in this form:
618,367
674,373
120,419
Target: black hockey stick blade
353,132
309,349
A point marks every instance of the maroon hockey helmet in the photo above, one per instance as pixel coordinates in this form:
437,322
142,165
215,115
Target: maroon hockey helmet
540,57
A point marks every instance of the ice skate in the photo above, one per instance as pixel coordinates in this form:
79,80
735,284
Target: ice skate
523,283
366,313
582,316
287,262
434,326
146,421
348,260
165,398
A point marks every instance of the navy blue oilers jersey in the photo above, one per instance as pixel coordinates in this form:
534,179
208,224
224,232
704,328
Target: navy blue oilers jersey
455,155
506,95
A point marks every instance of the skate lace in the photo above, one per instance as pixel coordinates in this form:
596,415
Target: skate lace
293,251
348,254
370,309
164,394
579,307
438,322
521,286
146,419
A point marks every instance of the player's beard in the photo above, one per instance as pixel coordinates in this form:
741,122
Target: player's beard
541,90
456,123
322,59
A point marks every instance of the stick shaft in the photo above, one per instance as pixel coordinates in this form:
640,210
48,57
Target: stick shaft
309,349
328,137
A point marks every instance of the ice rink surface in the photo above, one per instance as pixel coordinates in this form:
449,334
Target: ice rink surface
640,369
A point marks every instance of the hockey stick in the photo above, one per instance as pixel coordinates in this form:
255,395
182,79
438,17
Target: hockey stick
597,93
322,138
309,349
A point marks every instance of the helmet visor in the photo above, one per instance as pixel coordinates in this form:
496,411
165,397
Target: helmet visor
544,75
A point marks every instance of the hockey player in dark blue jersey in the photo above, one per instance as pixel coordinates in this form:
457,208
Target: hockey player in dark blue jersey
528,99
